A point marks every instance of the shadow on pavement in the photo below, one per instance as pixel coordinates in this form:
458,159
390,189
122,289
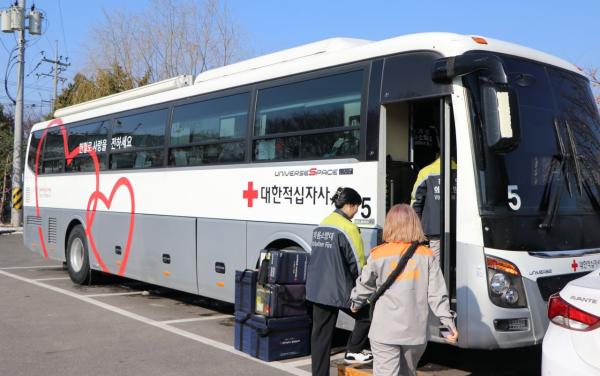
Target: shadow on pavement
511,362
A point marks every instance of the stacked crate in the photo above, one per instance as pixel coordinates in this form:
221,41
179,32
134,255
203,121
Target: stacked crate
271,316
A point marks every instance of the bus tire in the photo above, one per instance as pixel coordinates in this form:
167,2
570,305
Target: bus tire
78,259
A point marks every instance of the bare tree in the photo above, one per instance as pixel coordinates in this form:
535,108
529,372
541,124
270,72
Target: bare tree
594,76
169,38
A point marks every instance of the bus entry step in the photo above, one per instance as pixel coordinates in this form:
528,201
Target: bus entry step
364,370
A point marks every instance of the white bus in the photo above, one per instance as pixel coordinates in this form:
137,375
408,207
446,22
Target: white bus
182,182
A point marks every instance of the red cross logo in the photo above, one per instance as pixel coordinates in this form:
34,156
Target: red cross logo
250,194
574,265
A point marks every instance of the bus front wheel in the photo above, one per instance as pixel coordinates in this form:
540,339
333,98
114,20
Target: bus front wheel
77,255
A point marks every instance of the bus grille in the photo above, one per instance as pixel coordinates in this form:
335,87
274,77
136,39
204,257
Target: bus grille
34,220
52,230
551,285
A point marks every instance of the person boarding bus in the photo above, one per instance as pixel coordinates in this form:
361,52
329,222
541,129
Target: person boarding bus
398,333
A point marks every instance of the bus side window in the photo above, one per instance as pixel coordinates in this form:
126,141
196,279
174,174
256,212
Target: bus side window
33,148
311,119
209,132
88,137
53,154
144,131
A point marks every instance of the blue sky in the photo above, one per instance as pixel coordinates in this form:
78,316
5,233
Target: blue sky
569,30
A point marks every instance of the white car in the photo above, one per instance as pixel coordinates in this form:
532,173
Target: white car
572,343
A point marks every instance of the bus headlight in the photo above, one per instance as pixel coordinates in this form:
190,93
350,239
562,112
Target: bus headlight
499,283
505,284
511,296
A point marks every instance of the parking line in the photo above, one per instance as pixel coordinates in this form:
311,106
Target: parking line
52,279
32,267
194,319
194,337
113,294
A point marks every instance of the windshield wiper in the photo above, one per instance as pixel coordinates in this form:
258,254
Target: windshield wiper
555,194
592,197
583,184
575,158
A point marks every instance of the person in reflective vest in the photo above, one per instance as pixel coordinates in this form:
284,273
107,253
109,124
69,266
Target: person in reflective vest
398,332
337,257
426,200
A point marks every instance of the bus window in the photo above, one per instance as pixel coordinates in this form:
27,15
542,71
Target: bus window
54,152
145,131
88,137
209,132
137,159
325,111
33,147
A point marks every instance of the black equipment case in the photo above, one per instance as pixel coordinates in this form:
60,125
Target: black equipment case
272,339
273,300
286,267
245,290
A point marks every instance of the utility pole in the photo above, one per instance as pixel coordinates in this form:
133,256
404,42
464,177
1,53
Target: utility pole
58,67
17,177
13,19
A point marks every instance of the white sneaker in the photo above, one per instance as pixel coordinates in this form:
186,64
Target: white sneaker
363,357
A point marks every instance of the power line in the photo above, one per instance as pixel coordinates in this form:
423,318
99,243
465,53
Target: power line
6,73
32,87
58,67
26,101
3,45
34,69
62,26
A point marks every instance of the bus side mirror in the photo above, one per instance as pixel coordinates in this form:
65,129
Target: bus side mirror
500,117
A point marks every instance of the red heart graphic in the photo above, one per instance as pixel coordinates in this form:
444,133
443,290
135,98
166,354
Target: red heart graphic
94,197
69,155
91,214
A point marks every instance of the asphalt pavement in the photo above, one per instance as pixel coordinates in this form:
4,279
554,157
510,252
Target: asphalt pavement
50,326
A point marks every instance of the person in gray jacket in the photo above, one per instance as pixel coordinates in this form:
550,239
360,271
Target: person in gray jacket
398,331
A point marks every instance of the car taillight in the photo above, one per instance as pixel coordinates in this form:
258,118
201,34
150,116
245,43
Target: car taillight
563,314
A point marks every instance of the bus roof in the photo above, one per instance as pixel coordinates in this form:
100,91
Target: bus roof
306,58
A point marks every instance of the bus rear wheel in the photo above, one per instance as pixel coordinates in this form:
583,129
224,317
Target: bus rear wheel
78,260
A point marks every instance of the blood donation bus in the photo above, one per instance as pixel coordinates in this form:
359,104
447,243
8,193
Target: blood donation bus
182,182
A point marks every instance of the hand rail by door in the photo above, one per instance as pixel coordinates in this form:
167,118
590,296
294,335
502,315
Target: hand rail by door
446,189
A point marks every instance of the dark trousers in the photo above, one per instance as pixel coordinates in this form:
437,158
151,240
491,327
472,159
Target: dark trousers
324,319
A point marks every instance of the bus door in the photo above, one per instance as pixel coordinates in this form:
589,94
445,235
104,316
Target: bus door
433,144
408,134
417,133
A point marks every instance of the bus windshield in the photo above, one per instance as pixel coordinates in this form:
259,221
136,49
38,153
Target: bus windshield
559,149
